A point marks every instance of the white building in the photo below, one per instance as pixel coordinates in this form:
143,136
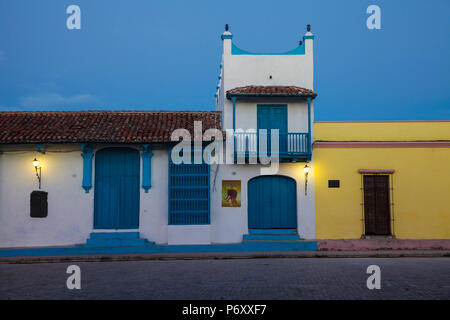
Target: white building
107,178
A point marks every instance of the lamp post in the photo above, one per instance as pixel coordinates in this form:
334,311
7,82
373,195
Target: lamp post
306,171
38,171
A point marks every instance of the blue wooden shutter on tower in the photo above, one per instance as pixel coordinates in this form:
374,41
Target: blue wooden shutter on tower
188,193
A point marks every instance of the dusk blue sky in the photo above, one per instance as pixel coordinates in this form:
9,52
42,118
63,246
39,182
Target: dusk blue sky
165,55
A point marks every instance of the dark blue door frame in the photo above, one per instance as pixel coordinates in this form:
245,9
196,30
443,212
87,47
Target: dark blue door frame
116,198
272,203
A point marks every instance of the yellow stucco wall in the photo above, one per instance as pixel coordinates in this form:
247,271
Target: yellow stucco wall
421,180
382,131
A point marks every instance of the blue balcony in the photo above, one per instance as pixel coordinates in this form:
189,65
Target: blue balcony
293,146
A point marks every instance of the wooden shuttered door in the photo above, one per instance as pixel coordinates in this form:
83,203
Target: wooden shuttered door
377,205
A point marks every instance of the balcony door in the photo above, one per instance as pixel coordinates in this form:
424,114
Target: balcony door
271,116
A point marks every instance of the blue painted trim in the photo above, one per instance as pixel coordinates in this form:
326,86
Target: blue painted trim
309,128
226,36
113,242
38,148
87,155
234,113
308,37
300,50
150,247
147,167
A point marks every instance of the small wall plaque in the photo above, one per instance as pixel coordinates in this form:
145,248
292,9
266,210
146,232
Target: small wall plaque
334,183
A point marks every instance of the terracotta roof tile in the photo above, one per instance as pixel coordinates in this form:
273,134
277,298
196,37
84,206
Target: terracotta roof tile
280,91
100,126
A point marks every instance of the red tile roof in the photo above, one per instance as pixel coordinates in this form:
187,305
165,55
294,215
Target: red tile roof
278,91
100,126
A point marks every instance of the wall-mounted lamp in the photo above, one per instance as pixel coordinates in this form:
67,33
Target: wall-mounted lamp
306,171
38,171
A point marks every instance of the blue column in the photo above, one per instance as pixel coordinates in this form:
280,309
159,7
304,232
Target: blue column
87,155
234,113
309,126
147,167
234,127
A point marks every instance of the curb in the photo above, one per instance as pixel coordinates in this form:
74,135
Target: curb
228,255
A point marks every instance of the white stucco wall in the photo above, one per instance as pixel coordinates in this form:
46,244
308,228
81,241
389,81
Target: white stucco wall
193,234
70,209
154,210
242,70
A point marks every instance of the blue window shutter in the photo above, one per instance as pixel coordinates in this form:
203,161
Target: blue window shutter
146,167
87,155
189,199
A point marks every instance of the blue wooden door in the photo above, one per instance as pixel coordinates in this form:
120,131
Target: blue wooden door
116,199
272,203
274,117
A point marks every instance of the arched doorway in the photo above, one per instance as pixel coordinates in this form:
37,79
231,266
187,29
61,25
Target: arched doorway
116,199
272,203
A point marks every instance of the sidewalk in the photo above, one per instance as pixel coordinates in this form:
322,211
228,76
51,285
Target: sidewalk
354,248
227,255
382,244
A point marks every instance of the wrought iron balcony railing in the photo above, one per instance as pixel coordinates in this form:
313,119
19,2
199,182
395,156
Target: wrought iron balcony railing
291,145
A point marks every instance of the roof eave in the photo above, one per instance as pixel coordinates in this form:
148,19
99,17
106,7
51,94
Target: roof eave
235,95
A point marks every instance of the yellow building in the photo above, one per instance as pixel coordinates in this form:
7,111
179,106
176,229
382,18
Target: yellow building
382,179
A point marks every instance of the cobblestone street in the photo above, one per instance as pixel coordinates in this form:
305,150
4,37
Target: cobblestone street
257,279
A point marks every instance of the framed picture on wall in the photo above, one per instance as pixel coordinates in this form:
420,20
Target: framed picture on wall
231,193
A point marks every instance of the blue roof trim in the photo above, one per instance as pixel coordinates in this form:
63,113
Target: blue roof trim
300,50
308,37
226,36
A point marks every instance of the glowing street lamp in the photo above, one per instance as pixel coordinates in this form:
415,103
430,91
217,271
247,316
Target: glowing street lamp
38,171
306,170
